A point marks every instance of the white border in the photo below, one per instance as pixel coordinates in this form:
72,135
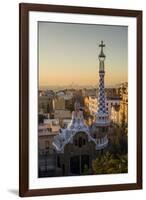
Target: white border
130,177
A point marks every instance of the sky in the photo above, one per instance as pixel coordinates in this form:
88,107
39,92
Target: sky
68,54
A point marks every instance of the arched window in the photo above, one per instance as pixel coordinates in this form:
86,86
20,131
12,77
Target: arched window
80,142
103,129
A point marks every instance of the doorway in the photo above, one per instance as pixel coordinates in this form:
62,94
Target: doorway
78,164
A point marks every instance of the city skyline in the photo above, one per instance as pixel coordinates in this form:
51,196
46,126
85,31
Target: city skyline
68,54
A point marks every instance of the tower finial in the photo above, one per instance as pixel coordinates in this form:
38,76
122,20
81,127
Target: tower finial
101,44
101,52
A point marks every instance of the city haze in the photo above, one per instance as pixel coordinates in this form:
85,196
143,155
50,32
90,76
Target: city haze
68,54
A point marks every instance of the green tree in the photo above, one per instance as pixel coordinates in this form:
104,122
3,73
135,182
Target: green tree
118,142
110,164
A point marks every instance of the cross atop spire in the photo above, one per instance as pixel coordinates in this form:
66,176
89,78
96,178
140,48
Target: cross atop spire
101,44
101,55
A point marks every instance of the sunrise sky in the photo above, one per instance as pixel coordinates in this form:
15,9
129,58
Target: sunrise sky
68,53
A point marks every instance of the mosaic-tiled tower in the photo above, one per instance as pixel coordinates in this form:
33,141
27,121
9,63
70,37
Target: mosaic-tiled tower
101,93
100,127
102,117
